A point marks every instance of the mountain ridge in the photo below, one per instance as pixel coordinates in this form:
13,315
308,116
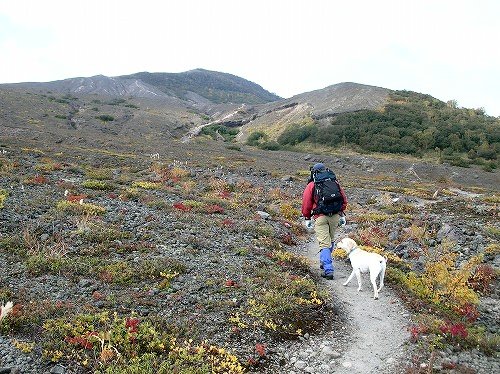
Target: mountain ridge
198,86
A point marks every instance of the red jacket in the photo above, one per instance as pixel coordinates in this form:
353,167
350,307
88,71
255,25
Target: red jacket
308,202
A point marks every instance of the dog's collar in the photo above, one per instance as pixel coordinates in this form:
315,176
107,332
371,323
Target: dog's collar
352,250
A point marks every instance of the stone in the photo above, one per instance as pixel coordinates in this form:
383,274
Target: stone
304,354
330,353
347,364
85,282
300,365
58,369
263,215
325,368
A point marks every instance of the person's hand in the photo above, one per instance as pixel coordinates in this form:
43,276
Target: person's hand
342,221
308,223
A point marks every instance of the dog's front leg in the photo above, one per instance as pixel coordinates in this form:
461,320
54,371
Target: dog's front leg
358,277
349,279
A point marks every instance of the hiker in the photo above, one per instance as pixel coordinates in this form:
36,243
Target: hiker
324,200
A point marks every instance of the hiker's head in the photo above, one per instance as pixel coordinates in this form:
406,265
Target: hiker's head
318,167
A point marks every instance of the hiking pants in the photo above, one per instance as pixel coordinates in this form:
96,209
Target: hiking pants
325,227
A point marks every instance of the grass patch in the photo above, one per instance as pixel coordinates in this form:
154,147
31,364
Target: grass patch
3,196
97,185
76,208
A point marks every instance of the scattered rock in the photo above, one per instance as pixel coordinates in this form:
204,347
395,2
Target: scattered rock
329,353
263,215
58,369
300,365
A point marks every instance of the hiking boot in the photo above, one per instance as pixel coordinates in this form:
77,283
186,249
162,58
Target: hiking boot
327,276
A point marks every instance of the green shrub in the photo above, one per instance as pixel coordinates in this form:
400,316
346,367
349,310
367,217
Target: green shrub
99,173
256,137
76,208
296,134
97,185
227,133
3,196
270,146
106,118
284,304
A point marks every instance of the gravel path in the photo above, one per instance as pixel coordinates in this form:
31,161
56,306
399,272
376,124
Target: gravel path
375,331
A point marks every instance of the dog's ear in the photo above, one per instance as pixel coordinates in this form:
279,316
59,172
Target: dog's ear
350,243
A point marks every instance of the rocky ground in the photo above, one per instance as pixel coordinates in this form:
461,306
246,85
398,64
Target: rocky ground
209,246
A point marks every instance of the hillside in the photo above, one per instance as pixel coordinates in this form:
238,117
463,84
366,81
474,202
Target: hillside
92,119
372,119
197,86
274,118
216,87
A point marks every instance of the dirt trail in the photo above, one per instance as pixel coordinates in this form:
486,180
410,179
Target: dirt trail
378,327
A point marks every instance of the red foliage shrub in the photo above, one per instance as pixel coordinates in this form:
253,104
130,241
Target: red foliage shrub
79,341
131,324
39,179
287,239
469,312
260,349
106,276
416,330
231,283
182,207
211,209
225,194
482,279
227,222
455,330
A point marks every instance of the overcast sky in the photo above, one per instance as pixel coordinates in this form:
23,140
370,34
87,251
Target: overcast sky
448,49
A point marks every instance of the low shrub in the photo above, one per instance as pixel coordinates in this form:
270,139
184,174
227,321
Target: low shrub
441,283
77,208
97,185
282,303
99,173
147,185
289,212
108,343
3,196
105,118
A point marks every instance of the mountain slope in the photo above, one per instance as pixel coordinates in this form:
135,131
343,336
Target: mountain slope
97,85
273,118
192,87
215,86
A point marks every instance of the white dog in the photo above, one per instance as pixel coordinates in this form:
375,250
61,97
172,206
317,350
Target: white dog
363,262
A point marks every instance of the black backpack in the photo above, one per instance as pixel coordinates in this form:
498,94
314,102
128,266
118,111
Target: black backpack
327,193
